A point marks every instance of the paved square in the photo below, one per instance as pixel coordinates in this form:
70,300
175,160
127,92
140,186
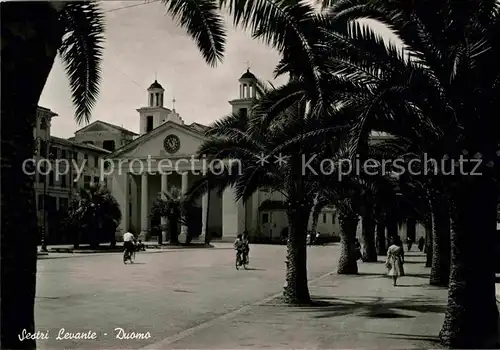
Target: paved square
195,299
162,293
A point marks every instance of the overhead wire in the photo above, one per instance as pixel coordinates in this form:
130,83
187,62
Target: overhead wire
147,2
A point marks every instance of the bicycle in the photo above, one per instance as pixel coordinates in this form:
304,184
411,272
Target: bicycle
129,256
241,260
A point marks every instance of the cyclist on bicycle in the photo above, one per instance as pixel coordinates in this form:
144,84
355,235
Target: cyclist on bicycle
128,242
239,245
246,246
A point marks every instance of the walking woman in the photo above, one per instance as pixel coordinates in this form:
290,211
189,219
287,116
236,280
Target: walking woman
395,260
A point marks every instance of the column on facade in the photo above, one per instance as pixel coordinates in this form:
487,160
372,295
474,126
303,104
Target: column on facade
164,197
204,216
184,189
144,204
120,192
233,215
253,225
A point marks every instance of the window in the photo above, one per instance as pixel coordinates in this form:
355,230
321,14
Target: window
96,180
41,174
243,112
63,154
86,157
52,152
324,218
51,178
265,218
109,145
149,123
40,201
96,161
43,124
88,142
333,218
43,148
64,182
86,181
63,204
130,209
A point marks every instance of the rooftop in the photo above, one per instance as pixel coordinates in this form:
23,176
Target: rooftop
248,75
71,143
155,85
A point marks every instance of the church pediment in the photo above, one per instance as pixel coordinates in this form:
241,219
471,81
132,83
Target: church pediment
168,140
100,126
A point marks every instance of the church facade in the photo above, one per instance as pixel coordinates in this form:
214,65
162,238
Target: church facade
163,157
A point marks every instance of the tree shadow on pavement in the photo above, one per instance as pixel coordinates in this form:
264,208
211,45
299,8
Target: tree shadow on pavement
373,307
428,338
415,275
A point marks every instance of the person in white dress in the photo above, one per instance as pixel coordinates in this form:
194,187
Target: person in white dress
395,260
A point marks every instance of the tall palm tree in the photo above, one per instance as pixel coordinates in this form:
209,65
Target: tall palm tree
277,134
426,189
32,35
235,137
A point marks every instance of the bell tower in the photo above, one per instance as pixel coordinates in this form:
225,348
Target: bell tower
155,113
247,93
155,92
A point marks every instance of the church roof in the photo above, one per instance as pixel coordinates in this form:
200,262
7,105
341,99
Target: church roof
199,127
155,85
248,75
126,131
154,133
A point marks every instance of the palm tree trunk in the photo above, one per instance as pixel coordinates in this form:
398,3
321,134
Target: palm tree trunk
440,265
30,39
368,232
173,230
411,229
428,241
113,238
160,234
471,318
315,217
392,228
381,246
296,290
348,264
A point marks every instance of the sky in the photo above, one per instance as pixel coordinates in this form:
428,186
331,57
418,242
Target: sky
142,42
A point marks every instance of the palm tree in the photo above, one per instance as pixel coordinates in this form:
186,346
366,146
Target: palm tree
94,214
173,206
280,135
428,197
233,138
451,82
32,35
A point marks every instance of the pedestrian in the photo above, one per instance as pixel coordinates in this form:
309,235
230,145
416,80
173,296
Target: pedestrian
357,246
421,243
395,260
409,243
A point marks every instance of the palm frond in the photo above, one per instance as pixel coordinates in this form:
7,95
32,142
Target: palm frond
203,23
81,53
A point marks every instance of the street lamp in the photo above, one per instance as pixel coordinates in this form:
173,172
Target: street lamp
43,243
